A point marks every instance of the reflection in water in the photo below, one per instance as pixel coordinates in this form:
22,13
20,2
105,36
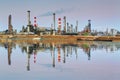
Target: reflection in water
64,50
9,46
9,52
52,49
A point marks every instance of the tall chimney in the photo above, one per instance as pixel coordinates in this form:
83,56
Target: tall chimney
71,28
67,27
9,24
54,20
76,26
9,20
59,25
64,24
35,22
89,25
29,22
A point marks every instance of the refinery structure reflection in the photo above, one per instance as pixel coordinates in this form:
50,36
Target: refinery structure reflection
62,51
9,46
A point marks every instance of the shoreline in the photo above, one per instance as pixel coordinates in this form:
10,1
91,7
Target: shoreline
60,38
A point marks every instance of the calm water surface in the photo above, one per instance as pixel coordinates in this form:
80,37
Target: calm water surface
78,61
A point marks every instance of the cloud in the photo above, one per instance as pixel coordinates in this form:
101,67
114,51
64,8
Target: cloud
50,13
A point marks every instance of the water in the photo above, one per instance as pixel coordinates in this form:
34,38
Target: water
60,61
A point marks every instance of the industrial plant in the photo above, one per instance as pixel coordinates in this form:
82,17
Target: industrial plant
53,30
64,30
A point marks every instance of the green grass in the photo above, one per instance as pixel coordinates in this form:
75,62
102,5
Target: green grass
86,34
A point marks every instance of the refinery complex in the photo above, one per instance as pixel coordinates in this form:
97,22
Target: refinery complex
64,30
68,29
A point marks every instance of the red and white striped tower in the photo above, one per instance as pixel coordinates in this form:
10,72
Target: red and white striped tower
59,55
35,21
35,57
59,25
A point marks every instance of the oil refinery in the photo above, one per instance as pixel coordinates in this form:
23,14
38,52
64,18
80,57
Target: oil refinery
63,31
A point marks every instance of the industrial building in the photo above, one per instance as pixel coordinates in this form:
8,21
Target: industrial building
35,29
62,28
88,27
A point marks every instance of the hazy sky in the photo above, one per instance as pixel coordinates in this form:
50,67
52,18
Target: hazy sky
103,13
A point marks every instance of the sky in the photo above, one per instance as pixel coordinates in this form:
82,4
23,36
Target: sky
102,13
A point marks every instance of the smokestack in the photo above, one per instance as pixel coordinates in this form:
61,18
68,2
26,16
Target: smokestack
89,25
64,24
67,27
9,24
54,20
29,22
59,25
9,20
76,26
35,22
71,28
